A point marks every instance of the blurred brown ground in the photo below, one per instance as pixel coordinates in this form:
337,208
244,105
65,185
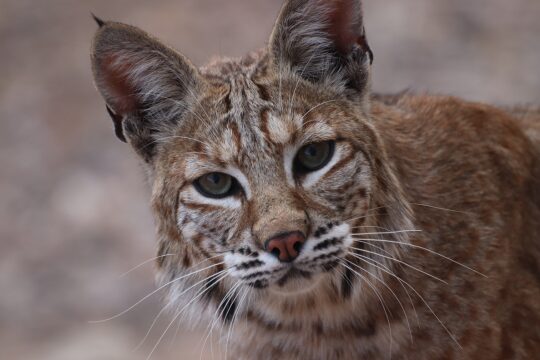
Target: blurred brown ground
73,208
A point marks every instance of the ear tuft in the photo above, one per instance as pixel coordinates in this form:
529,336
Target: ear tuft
97,20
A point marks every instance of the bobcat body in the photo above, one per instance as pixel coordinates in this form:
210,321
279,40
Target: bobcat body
311,219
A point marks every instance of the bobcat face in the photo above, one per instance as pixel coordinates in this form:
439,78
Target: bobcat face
271,185
264,169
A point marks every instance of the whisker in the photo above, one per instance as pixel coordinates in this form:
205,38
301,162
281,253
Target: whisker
313,109
231,298
227,298
389,289
233,322
421,298
387,232
152,293
378,296
370,226
401,262
440,208
185,307
182,293
151,327
366,214
144,263
397,277
425,249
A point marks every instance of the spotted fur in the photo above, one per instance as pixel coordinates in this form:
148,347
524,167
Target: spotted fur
422,231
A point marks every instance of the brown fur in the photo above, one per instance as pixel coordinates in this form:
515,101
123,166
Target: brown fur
422,235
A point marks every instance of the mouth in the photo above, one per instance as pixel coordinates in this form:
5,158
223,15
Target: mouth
293,273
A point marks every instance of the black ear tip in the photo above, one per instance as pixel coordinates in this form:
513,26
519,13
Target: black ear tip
98,20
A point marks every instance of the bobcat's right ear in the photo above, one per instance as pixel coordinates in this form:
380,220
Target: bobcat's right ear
147,86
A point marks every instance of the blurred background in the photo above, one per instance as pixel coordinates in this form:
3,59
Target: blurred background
74,207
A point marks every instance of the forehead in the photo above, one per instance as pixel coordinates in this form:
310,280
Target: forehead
249,114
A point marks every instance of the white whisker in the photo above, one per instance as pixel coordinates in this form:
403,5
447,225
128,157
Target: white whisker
144,263
423,300
440,208
387,232
185,307
152,293
422,248
401,262
378,296
389,289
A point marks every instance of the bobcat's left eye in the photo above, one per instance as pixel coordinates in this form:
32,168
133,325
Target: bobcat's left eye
216,185
313,157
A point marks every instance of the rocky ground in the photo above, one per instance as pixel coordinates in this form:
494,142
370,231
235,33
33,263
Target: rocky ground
73,208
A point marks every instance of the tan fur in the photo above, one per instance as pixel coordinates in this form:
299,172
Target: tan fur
423,231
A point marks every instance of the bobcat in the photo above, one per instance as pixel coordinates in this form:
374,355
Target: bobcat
308,218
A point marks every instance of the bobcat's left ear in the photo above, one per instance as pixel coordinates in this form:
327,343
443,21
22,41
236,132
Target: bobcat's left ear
324,42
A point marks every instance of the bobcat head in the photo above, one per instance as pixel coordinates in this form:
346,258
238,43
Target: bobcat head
263,169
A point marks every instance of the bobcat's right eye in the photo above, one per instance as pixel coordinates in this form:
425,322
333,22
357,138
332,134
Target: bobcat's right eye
216,185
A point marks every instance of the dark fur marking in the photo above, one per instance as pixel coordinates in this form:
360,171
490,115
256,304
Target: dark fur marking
326,256
249,264
263,92
259,284
228,309
327,243
211,288
320,232
117,121
347,283
186,261
257,274
98,21
330,265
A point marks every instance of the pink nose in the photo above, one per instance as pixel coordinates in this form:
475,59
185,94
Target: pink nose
286,247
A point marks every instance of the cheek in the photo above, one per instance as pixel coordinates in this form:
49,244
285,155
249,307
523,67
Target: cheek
208,228
346,190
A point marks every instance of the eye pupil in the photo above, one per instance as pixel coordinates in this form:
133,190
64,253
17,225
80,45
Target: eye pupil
215,178
310,151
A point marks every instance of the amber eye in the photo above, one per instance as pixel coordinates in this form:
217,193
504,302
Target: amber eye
216,185
313,157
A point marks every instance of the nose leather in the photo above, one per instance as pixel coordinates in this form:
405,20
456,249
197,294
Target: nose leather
286,247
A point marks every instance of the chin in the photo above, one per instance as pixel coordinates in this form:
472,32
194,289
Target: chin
297,283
